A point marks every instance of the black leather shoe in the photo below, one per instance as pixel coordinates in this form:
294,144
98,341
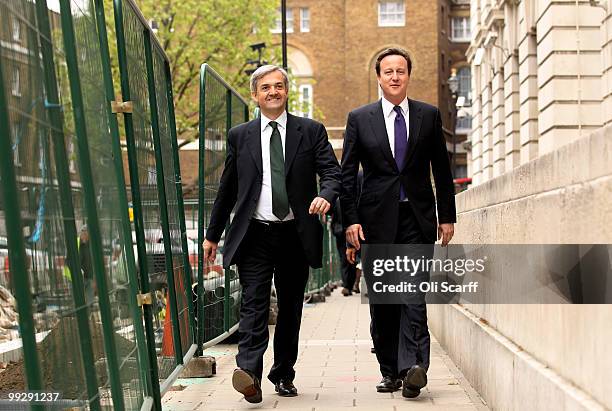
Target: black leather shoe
389,384
415,379
285,388
247,384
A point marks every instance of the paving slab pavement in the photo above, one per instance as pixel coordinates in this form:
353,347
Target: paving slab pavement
335,371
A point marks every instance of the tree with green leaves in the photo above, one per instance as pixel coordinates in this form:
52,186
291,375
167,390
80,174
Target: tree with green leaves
217,32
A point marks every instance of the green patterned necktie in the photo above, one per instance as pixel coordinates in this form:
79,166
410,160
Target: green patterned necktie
280,201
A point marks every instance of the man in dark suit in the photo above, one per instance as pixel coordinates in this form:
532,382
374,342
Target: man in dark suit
397,140
270,182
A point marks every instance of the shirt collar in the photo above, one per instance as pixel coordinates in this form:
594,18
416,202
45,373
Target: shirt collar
281,120
387,107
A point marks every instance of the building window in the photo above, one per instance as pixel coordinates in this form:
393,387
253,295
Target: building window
391,14
305,20
15,130
464,124
278,25
16,84
464,76
305,101
460,29
16,30
460,171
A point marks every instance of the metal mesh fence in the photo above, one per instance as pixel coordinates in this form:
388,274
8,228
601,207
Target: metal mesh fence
220,109
156,195
108,205
41,216
147,175
76,351
182,287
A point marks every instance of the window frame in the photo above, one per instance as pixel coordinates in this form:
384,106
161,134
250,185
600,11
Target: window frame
301,101
466,32
16,82
381,13
15,143
16,30
278,23
303,28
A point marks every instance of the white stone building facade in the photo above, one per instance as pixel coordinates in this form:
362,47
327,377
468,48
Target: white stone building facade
541,78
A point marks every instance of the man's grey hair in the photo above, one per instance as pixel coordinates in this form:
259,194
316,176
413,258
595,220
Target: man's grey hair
262,71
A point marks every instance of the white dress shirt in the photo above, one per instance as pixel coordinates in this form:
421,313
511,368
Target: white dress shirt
389,115
263,211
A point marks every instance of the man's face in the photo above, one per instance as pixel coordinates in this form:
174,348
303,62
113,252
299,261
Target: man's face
271,93
394,78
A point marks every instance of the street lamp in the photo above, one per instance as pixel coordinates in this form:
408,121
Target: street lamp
258,47
453,86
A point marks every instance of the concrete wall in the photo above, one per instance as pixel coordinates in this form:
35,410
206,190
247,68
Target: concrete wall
553,357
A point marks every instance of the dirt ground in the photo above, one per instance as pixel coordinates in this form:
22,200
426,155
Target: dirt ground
60,358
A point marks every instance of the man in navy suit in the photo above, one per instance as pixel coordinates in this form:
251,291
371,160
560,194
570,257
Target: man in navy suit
397,141
270,182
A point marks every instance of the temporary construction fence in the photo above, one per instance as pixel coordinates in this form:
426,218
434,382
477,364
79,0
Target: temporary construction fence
104,323
321,278
221,108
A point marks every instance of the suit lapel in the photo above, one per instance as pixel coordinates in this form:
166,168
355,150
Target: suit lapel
414,120
254,142
293,138
377,121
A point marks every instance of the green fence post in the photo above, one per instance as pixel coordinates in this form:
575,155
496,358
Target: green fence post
201,205
179,195
145,363
161,190
90,205
16,246
145,285
227,271
67,206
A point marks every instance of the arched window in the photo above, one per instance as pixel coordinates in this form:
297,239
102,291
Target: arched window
302,75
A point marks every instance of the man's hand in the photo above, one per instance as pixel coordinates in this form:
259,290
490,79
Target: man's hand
351,255
446,232
353,233
319,206
210,251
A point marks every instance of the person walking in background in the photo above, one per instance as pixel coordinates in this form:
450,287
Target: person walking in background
348,271
270,182
397,141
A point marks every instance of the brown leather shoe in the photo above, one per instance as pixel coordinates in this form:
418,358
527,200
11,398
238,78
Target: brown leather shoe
247,384
346,292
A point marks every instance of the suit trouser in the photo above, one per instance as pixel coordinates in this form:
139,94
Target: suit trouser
349,271
271,250
399,331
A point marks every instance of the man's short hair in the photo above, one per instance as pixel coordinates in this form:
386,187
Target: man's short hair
393,51
267,69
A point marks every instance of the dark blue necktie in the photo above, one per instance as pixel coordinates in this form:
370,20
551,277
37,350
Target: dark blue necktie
401,143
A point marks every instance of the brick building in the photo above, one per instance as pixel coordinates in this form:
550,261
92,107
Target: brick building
333,45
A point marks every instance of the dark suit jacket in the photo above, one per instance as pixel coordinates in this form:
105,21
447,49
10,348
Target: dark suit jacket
366,142
307,153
